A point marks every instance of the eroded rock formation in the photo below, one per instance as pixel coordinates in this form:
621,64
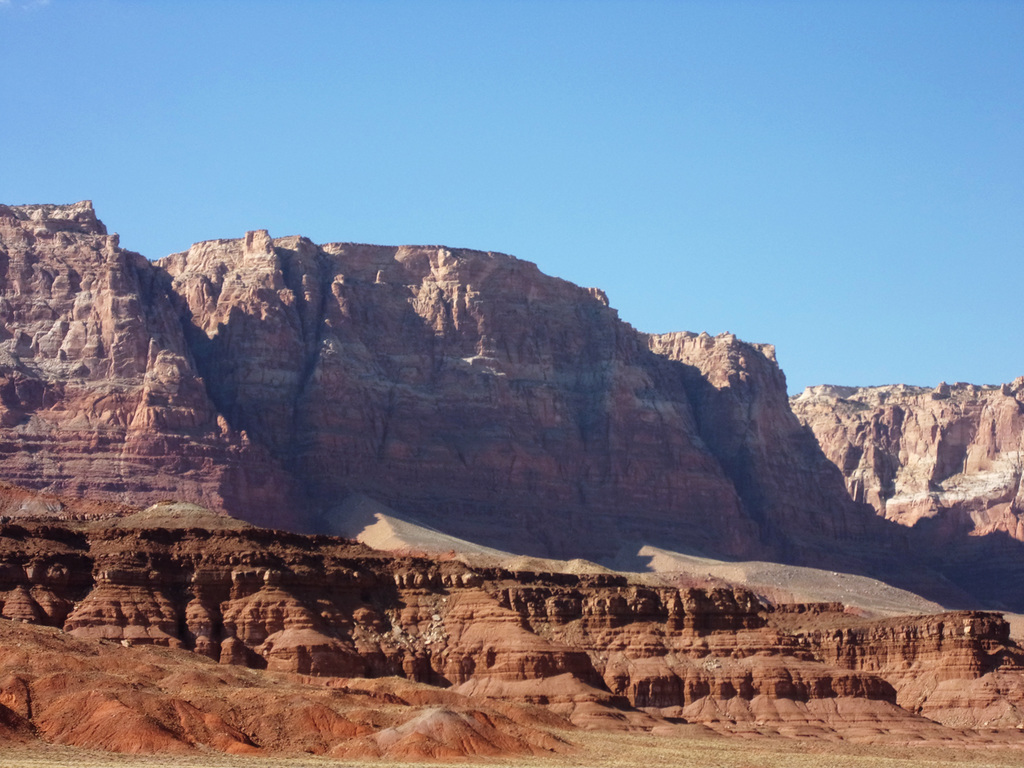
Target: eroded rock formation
953,452
99,396
273,378
99,695
277,379
594,649
944,462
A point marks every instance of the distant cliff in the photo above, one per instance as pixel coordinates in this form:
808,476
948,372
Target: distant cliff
945,461
953,452
276,378
273,378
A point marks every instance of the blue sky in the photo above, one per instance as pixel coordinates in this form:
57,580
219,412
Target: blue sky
844,180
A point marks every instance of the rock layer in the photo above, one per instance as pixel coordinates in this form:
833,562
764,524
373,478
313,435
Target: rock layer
274,378
99,396
465,389
594,651
954,452
944,462
98,695
278,380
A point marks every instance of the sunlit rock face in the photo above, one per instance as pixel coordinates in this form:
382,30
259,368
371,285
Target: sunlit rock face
943,463
952,454
99,395
466,389
275,379
595,649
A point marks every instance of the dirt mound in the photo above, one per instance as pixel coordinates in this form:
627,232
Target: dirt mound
792,584
443,733
101,695
172,514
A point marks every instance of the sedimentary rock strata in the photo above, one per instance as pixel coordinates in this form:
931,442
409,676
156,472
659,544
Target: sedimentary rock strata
945,463
273,378
593,651
99,695
277,379
953,453
98,393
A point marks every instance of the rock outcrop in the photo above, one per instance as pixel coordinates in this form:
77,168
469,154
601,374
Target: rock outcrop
945,462
492,654
465,389
98,695
278,380
787,485
953,452
99,396
274,378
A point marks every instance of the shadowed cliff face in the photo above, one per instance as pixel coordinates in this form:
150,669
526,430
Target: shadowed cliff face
466,389
274,378
482,397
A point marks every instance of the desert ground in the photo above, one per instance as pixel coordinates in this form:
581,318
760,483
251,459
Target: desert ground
690,746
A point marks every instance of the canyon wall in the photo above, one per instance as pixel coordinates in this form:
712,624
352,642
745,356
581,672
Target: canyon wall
274,378
277,380
944,463
99,396
953,453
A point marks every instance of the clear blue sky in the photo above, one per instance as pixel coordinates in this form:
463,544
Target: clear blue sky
842,179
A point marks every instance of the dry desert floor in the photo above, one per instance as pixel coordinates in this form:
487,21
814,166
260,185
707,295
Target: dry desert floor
691,748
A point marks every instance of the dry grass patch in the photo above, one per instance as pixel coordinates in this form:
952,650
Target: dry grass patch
689,746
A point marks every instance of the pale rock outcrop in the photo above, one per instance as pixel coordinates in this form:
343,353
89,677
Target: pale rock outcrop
954,452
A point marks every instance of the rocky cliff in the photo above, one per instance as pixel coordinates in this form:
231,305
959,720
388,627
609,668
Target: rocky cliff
465,389
945,462
953,452
590,650
277,380
274,378
99,396
787,484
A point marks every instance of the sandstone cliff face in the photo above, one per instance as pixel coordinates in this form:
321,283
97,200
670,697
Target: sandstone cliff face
785,481
465,389
275,378
98,392
944,463
596,650
956,668
953,453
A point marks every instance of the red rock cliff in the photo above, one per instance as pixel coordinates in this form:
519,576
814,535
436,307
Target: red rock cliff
466,389
954,452
944,462
273,378
98,391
